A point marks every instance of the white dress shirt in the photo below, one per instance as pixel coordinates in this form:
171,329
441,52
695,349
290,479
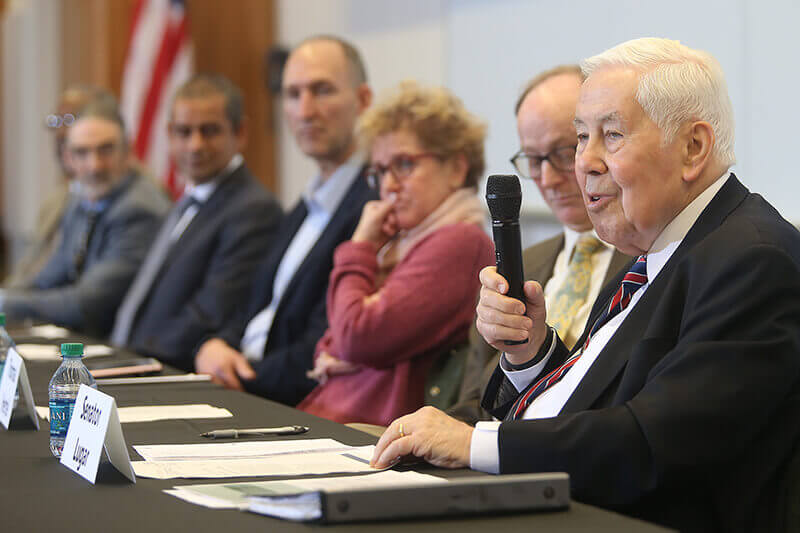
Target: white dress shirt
322,199
484,451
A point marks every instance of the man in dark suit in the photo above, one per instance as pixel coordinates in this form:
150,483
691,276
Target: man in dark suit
201,264
269,349
572,266
679,402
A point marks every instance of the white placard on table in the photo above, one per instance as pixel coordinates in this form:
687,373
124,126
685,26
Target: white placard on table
95,425
15,376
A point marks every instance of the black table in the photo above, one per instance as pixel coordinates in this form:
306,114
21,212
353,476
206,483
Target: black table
39,494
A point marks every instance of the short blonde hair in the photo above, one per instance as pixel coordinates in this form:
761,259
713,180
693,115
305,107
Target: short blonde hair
678,84
438,119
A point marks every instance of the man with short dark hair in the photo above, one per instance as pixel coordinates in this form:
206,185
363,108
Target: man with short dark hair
107,229
201,264
679,402
270,348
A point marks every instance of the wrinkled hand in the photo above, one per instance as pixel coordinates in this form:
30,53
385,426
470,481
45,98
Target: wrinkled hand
378,223
225,365
428,433
502,318
327,366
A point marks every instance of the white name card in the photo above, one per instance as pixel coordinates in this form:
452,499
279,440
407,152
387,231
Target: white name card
95,425
15,377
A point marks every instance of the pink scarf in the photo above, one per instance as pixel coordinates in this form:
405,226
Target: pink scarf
463,206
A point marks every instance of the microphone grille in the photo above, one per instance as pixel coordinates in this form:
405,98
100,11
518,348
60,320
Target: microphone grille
503,196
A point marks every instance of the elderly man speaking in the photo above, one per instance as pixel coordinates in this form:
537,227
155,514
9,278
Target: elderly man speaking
679,402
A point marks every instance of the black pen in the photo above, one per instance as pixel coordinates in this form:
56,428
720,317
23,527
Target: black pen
236,433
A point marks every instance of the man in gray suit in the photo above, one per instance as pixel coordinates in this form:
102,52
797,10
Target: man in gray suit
572,266
107,228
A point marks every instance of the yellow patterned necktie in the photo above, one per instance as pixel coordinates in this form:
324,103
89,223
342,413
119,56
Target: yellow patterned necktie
572,294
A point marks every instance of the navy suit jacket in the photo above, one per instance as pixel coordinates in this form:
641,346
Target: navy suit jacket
207,272
300,319
688,416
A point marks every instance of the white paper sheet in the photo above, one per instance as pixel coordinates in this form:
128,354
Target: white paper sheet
235,495
235,449
51,352
354,460
150,413
49,331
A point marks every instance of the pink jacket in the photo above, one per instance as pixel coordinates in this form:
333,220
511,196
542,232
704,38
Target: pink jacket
427,303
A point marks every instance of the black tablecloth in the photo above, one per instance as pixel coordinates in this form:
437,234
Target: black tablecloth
39,494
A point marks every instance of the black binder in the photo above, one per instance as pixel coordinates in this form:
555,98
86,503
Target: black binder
460,496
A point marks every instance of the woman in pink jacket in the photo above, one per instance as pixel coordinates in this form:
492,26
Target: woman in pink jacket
403,289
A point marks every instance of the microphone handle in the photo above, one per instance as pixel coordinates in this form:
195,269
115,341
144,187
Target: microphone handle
508,258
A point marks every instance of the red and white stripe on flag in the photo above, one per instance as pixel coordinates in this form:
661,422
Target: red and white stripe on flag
159,59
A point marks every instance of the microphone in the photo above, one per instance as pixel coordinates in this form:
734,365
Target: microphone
504,197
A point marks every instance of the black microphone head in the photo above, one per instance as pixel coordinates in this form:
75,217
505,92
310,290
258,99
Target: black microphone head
504,196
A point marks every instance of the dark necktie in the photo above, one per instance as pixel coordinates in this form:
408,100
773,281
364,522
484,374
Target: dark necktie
633,280
79,260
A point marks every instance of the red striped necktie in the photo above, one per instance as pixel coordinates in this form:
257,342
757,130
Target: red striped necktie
635,278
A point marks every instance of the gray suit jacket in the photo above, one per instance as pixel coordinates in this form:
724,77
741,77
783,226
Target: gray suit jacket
539,261
118,244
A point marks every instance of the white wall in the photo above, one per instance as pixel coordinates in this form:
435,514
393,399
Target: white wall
485,50
31,34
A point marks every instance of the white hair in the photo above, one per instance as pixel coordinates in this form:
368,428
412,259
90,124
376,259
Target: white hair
677,85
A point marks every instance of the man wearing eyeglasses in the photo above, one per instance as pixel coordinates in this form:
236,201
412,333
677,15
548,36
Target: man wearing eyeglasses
573,266
46,236
107,228
269,348
202,262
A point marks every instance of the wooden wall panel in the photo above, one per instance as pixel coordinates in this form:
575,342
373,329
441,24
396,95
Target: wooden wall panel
232,38
229,37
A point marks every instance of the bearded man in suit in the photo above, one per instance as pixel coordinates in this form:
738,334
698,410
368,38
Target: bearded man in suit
679,402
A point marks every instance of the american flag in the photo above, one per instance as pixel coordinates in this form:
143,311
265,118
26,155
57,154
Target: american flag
159,59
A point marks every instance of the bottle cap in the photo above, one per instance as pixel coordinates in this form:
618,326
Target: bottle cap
2,319
72,349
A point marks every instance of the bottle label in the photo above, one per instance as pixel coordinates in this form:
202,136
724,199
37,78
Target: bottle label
60,415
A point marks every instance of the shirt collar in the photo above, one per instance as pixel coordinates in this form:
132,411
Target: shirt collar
203,191
673,234
326,195
101,204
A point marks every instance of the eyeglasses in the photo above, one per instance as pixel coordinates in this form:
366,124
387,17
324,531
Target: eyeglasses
401,166
529,166
54,121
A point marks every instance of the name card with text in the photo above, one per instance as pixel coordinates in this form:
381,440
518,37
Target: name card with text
15,377
95,425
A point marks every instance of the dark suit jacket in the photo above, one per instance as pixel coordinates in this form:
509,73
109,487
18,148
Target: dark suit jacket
118,245
689,414
300,318
208,271
538,261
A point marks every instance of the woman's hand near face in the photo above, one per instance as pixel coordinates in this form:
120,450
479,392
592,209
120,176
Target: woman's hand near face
377,224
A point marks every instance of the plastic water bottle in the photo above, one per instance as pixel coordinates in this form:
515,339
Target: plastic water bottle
5,344
63,391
